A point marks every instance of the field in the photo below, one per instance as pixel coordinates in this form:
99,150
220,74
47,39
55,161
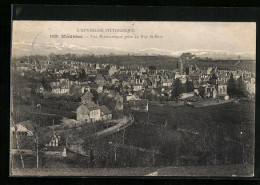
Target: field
218,139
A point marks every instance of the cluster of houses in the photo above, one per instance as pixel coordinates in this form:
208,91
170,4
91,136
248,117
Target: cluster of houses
136,82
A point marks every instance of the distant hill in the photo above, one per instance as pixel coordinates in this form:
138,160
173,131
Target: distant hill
24,48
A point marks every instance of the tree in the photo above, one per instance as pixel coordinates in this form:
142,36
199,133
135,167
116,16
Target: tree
231,86
177,89
201,91
96,96
241,88
213,79
82,75
127,110
46,85
152,68
189,86
118,88
65,75
149,96
18,145
107,101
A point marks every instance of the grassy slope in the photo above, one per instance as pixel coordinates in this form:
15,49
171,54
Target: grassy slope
190,117
218,121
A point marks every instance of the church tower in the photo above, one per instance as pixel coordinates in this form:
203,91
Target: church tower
180,65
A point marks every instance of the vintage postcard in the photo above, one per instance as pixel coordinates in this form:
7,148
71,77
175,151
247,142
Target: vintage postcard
132,98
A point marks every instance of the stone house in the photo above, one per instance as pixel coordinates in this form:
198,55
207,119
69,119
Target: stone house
89,112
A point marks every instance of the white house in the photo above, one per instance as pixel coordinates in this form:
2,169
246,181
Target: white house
61,90
250,87
137,87
24,128
132,97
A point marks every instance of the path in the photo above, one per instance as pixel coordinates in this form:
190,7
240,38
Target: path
123,123
210,103
77,151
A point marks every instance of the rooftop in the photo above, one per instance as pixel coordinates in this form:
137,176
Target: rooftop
104,110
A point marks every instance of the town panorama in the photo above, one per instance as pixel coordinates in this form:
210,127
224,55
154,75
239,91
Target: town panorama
132,114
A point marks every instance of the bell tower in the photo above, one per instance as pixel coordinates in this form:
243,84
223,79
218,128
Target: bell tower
180,65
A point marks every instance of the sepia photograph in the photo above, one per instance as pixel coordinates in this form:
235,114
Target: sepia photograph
132,98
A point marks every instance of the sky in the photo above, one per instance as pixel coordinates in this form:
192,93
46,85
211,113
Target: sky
33,37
